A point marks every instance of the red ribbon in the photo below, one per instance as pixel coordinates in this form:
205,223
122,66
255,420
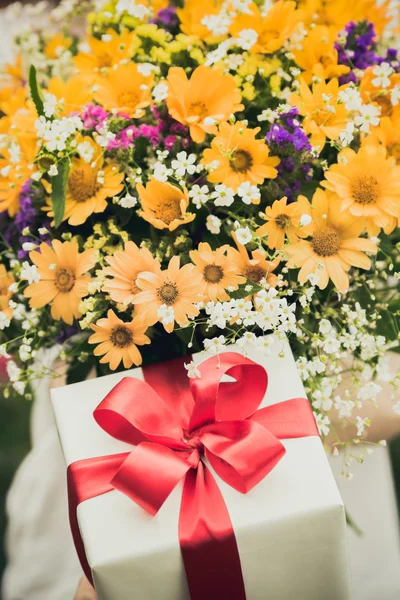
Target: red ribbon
174,421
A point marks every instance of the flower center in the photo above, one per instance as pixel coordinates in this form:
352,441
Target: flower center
241,161
385,105
213,273
255,274
82,183
282,221
128,99
326,242
65,280
104,60
168,293
365,189
169,211
198,109
395,151
121,336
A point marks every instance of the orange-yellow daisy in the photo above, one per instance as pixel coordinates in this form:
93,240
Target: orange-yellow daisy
164,205
72,94
273,29
56,45
285,220
191,17
125,266
217,270
89,185
324,115
256,268
118,341
6,279
177,288
207,98
318,56
12,177
337,13
386,133
126,90
111,50
334,247
63,278
366,184
240,157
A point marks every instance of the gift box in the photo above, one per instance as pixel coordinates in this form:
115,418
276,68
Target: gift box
254,514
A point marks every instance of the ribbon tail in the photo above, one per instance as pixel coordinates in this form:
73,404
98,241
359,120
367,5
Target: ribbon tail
289,419
87,479
207,540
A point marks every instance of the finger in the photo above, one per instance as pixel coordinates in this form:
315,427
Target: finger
85,591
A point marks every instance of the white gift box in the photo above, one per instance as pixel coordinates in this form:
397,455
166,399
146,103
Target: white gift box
290,529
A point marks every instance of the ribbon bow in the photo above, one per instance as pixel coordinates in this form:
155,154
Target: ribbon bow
174,423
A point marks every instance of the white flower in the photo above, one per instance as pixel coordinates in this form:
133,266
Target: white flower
215,345
218,24
127,201
247,39
166,314
248,339
243,235
395,95
344,407
24,352
30,273
223,196
86,151
325,326
4,321
267,115
199,195
184,164
331,345
347,135
351,98
369,115
139,11
192,369
19,387
161,172
213,224
53,171
383,73
146,69
396,407
3,352
369,391
13,371
305,220
249,193
160,92
323,423
14,150
49,105
362,423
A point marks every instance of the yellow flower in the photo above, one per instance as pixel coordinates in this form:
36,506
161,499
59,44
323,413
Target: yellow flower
318,56
337,13
256,268
217,270
63,279
191,18
334,247
386,133
240,157
209,97
12,177
366,185
284,219
125,266
126,90
324,116
73,94
6,279
372,92
164,205
174,288
110,51
118,341
273,29
56,45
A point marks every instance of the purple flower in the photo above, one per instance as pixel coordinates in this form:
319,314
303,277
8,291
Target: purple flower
166,18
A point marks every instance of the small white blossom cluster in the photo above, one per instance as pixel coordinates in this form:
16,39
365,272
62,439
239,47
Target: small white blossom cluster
57,133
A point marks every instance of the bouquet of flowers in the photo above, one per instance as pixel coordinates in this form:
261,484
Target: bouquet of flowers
188,175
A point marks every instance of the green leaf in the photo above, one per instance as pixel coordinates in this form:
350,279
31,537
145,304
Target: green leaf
36,92
59,191
247,289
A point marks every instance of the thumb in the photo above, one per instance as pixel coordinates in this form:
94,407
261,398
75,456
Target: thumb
85,591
